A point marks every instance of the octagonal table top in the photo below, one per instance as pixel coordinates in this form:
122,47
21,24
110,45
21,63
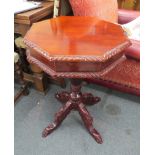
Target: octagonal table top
75,46
76,38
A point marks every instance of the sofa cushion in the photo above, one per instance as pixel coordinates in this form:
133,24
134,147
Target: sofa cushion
126,16
126,73
124,77
134,50
104,9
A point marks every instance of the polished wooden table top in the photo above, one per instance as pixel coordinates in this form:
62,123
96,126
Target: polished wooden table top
77,47
76,36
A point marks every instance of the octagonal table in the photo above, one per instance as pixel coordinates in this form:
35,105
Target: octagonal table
75,48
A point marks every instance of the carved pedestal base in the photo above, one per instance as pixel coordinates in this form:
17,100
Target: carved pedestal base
75,101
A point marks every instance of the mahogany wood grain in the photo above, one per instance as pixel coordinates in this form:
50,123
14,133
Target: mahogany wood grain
75,48
79,36
87,44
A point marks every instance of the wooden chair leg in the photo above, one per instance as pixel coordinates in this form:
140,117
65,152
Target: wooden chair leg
24,85
23,91
40,82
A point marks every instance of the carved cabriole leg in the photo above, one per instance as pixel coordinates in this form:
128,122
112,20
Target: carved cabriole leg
89,99
74,101
88,121
78,98
59,117
62,97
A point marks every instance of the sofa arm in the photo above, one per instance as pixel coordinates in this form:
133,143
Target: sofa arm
134,50
125,16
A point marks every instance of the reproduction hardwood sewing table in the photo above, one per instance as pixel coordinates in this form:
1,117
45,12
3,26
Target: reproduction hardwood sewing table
75,48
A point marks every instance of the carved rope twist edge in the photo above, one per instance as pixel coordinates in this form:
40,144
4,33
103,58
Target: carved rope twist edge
102,58
84,75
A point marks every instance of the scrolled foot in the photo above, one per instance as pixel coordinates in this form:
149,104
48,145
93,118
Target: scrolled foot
48,130
59,117
88,121
89,99
62,97
96,136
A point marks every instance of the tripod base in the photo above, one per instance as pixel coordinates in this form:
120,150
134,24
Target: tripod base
75,101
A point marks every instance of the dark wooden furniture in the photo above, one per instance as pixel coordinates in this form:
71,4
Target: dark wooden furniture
22,23
23,90
75,48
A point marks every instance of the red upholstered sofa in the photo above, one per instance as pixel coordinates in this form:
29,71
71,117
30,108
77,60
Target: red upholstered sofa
125,77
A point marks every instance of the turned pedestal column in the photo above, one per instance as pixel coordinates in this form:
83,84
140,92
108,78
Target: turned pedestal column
75,100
